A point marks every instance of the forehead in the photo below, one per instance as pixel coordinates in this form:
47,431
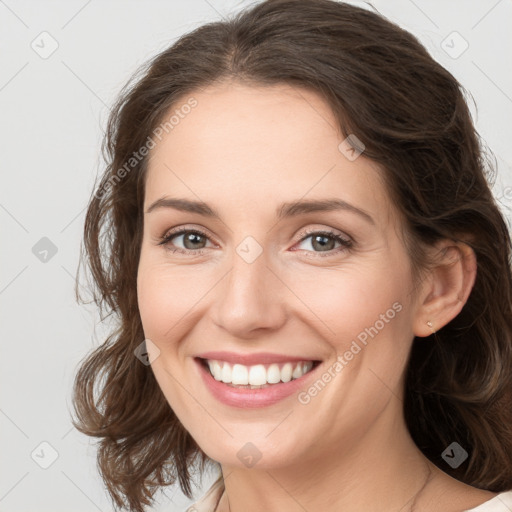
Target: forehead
254,146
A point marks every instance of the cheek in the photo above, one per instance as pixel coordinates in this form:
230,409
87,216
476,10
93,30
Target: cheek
168,295
364,315
344,302
157,299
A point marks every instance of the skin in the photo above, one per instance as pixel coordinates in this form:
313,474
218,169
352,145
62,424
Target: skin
244,150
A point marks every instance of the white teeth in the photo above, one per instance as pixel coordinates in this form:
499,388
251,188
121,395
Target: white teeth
286,372
216,370
225,375
257,375
298,371
273,374
239,374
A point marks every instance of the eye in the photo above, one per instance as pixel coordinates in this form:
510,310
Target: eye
325,241
193,240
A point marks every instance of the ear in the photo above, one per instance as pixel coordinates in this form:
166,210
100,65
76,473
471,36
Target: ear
445,291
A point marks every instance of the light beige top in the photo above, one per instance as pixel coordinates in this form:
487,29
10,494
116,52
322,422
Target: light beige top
208,503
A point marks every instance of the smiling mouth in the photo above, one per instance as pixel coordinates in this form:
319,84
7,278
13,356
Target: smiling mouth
257,376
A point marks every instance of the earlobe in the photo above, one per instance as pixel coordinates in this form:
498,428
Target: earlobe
448,288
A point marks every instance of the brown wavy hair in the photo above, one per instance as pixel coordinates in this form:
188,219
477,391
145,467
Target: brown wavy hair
412,116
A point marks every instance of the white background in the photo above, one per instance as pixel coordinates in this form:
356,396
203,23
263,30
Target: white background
53,112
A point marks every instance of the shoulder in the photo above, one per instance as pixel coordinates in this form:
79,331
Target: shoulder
451,495
501,502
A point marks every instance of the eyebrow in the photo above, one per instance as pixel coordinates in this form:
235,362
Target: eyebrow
285,210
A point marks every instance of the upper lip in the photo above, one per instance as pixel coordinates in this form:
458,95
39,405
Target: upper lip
251,359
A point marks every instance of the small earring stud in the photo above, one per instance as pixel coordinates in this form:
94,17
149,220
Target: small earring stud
431,325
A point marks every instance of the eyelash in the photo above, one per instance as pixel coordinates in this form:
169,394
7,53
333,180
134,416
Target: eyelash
346,243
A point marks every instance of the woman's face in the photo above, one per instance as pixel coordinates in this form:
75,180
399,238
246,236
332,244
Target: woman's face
267,284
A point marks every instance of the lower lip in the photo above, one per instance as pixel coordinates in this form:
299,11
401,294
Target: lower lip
246,398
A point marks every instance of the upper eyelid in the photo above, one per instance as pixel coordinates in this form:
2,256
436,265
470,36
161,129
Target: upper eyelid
183,230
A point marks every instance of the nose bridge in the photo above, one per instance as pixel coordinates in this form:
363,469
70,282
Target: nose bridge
249,297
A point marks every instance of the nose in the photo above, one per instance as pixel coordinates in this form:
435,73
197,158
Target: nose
249,298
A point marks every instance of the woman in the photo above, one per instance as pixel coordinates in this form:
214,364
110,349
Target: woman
310,274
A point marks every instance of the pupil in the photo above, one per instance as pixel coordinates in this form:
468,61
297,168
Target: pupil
192,238
323,243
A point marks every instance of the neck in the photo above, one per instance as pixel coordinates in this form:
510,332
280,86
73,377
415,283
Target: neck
381,470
